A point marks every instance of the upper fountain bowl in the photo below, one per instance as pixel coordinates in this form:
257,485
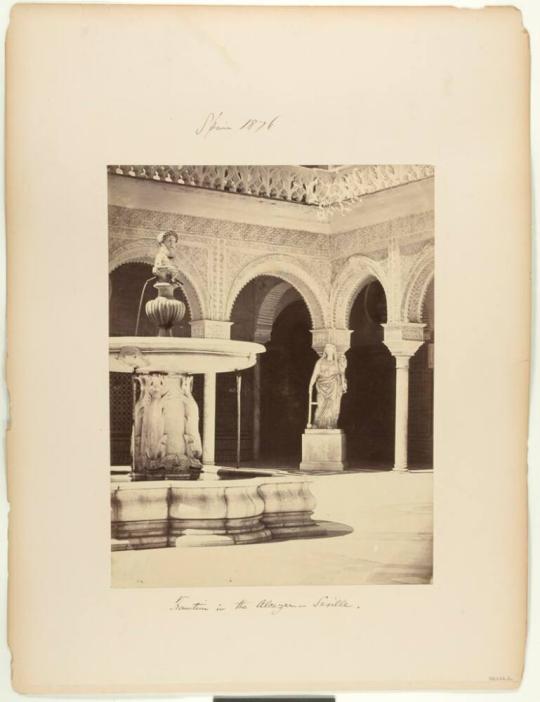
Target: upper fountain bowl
174,354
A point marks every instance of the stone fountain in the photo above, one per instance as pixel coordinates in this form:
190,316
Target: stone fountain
171,497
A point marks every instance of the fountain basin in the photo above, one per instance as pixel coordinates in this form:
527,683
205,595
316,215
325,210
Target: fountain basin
180,354
213,511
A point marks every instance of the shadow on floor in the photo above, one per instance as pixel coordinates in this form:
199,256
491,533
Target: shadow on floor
320,529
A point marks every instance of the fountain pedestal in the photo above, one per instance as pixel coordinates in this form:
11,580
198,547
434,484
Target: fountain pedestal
166,442
323,449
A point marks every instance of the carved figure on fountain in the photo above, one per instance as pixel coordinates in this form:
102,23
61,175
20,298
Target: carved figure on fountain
192,435
175,423
165,268
164,310
153,436
136,436
166,439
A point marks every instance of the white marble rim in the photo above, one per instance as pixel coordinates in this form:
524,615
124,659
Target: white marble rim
209,484
184,354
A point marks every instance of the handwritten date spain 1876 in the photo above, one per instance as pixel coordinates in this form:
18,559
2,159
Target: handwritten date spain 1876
216,122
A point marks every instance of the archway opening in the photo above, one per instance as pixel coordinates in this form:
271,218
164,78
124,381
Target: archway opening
367,410
421,371
126,284
286,368
270,311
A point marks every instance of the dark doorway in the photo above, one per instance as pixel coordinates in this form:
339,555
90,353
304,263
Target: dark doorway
284,372
421,369
286,368
367,410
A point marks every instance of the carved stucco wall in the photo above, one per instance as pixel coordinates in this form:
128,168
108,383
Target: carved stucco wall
218,258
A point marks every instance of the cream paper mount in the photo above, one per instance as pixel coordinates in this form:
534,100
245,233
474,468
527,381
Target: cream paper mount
394,90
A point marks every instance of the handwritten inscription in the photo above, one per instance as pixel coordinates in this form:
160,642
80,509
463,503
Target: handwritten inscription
216,122
185,603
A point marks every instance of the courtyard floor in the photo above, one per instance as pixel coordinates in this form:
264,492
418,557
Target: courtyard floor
391,541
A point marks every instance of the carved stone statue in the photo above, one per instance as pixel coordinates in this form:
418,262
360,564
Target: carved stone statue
192,436
164,310
166,439
329,379
153,436
165,267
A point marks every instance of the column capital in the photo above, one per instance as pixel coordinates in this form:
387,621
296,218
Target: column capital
340,338
403,340
210,329
402,360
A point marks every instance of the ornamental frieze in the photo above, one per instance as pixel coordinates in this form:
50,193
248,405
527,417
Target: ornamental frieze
122,217
238,259
365,239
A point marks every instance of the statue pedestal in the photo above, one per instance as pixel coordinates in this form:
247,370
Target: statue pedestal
323,449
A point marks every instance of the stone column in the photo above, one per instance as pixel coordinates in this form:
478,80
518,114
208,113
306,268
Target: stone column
210,329
257,410
209,421
403,341
402,413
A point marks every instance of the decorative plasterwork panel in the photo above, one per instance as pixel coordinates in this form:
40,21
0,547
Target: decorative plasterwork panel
413,248
410,229
357,272
123,217
219,258
416,284
237,258
360,240
131,251
288,269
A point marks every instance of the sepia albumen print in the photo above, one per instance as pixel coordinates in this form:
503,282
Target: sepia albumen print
271,374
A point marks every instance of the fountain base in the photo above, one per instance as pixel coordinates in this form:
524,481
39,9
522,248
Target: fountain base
192,473
254,509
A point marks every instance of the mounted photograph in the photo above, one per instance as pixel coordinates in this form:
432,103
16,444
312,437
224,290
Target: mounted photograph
271,357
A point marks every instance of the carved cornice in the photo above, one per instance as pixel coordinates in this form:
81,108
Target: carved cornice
330,190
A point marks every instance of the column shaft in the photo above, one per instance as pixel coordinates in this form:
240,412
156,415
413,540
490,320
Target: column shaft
402,412
209,419
257,410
